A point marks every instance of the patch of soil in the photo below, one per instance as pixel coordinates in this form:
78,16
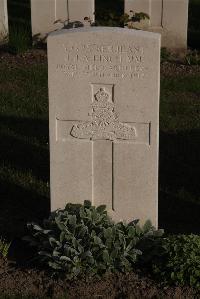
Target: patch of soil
39,284
33,56
174,69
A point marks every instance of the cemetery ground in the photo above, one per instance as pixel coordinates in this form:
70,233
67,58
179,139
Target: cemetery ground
24,175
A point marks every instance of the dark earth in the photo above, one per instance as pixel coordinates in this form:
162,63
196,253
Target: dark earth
19,278
39,284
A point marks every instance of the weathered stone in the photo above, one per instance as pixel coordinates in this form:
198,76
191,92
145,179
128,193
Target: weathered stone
51,15
168,17
104,117
3,20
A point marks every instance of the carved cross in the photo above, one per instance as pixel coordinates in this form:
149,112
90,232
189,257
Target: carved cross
104,130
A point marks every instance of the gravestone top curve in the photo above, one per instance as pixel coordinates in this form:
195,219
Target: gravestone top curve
105,29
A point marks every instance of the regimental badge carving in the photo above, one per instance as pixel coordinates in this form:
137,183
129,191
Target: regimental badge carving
105,122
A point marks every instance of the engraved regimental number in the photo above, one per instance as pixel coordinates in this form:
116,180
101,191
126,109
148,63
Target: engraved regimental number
104,123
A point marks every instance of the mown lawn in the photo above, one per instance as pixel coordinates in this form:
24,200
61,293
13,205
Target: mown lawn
179,188
24,150
24,153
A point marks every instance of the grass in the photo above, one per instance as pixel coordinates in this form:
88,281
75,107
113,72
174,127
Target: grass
24,154
4,248
19,20
19,40
179,196
180,107
24,151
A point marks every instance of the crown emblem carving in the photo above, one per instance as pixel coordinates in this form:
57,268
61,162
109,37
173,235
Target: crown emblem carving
104,123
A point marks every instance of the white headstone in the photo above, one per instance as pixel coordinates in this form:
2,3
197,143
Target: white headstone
3,20
168,17
51,15
104,117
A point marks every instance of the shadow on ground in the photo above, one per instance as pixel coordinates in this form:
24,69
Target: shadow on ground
24,149
24,174
179,197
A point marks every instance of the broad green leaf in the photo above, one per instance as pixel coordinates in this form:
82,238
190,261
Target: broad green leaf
72,220
65,258
101,209
55,266
108,233
36,227
56,253
82,212
131,231
53,241
45,253
129,247
147,226
97,240
82,231
114,253
61,226
106,257
62,236
88,213
159,233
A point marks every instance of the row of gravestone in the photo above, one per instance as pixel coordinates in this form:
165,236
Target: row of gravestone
168,17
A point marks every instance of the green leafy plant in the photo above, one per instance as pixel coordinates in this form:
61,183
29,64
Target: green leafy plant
4,247
134,17
108,18
179,262
83,239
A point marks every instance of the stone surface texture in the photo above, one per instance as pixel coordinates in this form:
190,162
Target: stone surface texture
104,119
168,17
51,15
3,20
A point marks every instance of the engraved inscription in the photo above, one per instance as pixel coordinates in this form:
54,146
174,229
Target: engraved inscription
124,61
105,122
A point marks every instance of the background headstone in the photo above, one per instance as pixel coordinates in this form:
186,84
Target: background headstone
50,15
168,17
3,20
104,117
